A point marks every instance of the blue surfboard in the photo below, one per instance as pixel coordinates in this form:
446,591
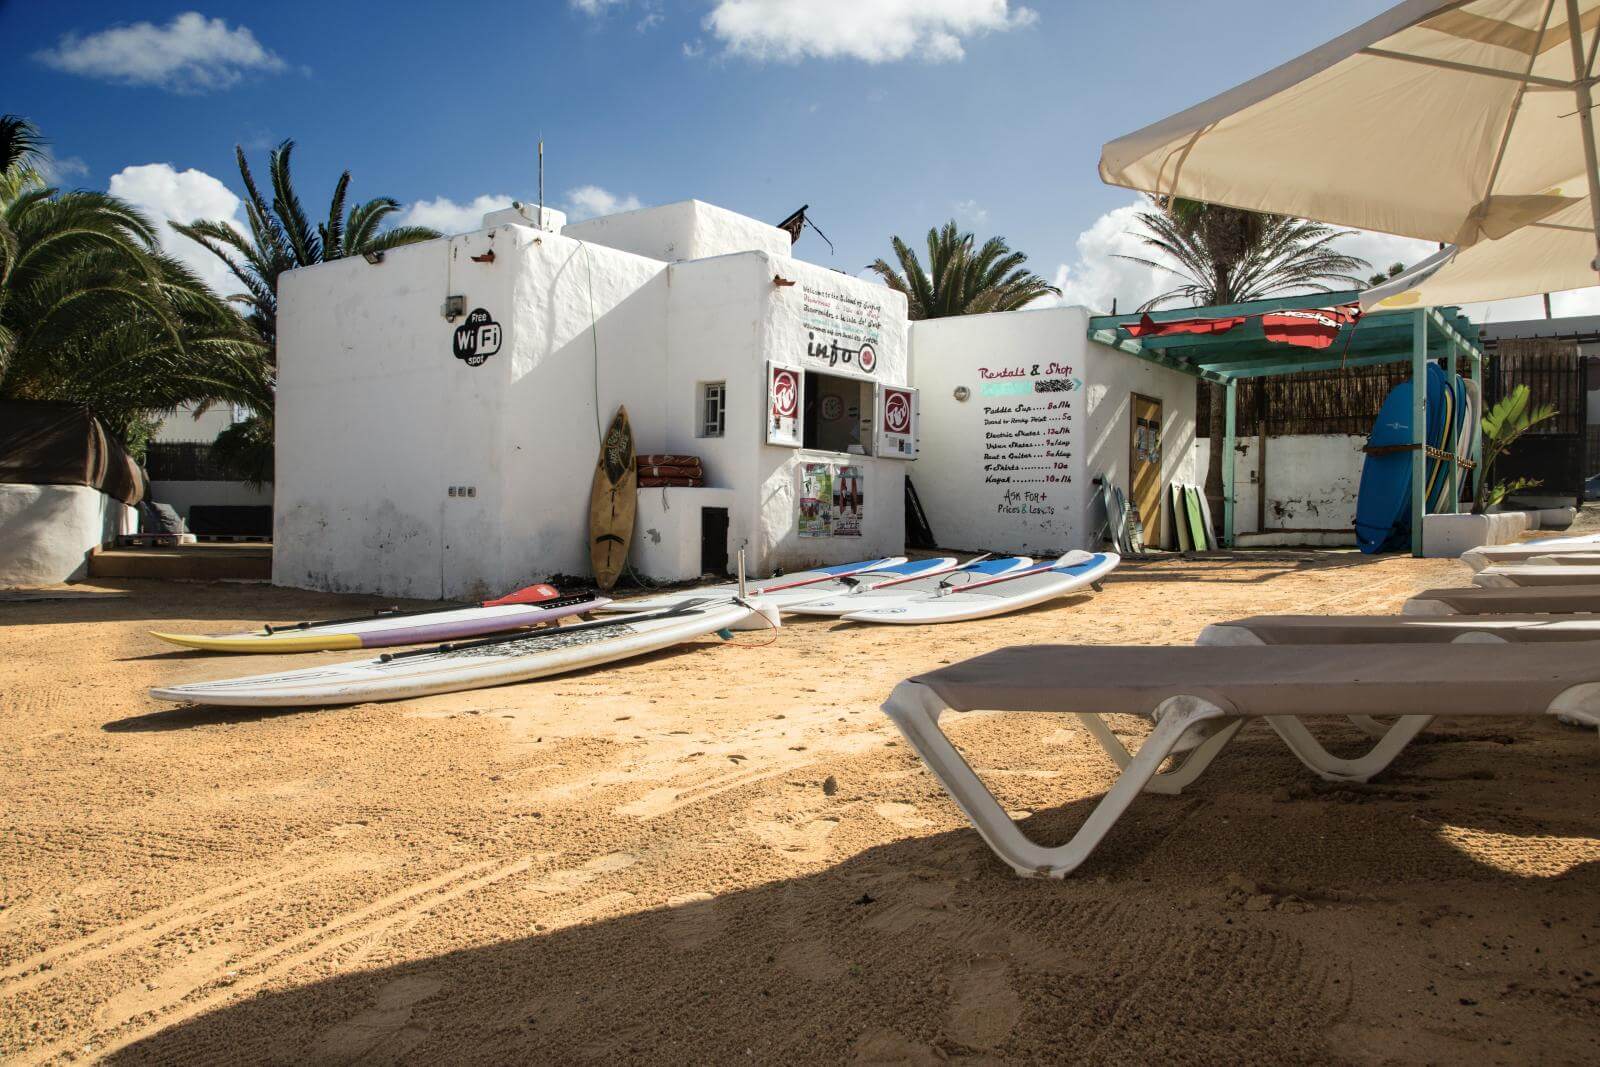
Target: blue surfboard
1383,503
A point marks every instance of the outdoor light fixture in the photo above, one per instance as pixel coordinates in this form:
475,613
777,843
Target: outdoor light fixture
962,393
373,257
454,308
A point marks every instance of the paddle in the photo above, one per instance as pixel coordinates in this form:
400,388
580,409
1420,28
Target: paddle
548,595
1024,573
957,569
688,607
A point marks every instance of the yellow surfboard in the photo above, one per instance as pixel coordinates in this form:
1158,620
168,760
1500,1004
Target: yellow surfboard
262,642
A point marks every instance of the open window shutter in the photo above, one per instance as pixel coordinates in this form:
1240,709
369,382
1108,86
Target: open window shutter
785,401
898,417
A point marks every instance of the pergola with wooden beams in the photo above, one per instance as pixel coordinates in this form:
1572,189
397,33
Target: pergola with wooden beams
1245,352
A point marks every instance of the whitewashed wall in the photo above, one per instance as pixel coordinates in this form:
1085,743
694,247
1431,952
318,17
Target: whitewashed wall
727,319
47,531
1010,363
1311,483
377,418
686,230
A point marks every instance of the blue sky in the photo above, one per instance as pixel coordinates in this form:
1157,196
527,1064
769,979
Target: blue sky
886,116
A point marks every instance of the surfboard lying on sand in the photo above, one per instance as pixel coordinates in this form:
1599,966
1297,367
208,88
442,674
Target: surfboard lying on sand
798,586
1503,577
527,607
999,595
898,590
474,664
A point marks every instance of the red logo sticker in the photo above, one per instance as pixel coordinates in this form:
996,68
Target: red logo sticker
785,393
897,411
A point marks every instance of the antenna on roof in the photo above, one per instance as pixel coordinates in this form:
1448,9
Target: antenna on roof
541,183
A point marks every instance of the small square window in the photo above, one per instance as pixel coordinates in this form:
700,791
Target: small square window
713,408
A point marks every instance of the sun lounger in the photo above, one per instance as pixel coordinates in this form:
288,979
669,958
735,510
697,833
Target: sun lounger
1493,555
1188,690
1520,600
1525,575
1400,629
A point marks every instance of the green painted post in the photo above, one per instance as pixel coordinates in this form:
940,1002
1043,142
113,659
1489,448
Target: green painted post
1477,429
1230,454
1419,427
1454,444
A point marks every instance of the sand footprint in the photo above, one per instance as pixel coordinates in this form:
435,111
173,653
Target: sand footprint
984,1009
903,815
557,883
384,1031
803,842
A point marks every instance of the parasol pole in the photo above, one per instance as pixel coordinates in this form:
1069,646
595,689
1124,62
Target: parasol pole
1580,85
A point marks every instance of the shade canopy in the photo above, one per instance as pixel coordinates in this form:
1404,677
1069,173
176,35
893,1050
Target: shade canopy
1458,122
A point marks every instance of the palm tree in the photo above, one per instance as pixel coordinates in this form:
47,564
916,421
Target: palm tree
282,238
92,312
961,279
1227,255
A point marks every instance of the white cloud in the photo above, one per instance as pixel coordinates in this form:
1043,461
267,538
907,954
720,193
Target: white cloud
190,54
447,216
694,49
594,8
589,201
873,31
165,193
971,213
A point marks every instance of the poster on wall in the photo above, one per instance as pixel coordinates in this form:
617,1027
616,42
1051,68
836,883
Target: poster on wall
849,501
843,330
816,500
1027,436
784,385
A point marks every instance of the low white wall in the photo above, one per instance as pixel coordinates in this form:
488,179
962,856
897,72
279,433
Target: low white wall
667,533
47,531
1311,485
1011,468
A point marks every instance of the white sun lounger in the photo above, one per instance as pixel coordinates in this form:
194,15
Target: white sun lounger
1516,600
1188,690
1494,555
1400,629
1526,574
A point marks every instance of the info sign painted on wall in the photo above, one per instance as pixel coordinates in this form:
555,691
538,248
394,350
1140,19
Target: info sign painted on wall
1027,435
842,331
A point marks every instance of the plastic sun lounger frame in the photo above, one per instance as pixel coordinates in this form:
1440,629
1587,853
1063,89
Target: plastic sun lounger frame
1195,720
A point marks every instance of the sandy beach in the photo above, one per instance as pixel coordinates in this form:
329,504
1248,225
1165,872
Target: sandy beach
724,853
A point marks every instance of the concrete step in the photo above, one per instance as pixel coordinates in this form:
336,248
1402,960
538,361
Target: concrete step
203,562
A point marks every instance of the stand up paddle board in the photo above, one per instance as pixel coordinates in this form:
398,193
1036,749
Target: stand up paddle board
1383,502
898,590
492,661
996,596
798,586
383,629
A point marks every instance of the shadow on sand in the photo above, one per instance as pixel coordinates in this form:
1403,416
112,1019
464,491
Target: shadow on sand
925,948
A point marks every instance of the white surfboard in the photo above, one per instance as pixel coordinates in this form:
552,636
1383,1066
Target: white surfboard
997,596
899,590
473,664
801,585
1503,577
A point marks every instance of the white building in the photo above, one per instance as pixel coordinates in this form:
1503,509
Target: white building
439,411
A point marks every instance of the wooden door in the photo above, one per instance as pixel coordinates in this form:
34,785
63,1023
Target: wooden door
1144,464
